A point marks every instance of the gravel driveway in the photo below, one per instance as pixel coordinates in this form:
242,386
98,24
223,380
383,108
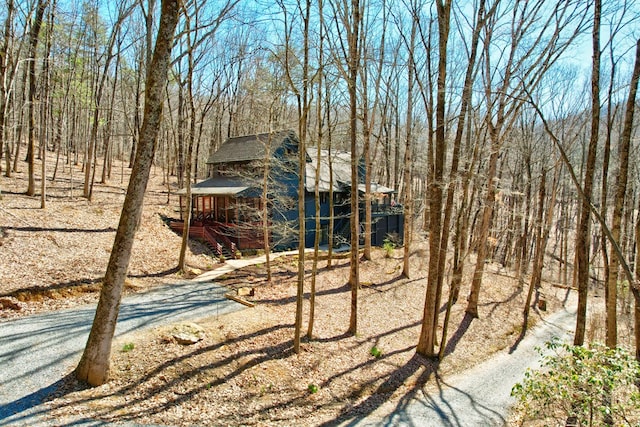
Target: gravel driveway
37,352
480,396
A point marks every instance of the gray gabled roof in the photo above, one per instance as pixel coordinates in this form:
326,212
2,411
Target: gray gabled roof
341,165
250,147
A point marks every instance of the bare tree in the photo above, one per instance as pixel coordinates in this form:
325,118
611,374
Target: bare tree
93,367
531,51
370,111
407,191
584,224
124,11
320,136
625,141
624,149
347,21
353,61
33,45
4,92
428,333
458,262
302,99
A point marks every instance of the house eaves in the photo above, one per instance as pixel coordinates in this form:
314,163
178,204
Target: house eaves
250,147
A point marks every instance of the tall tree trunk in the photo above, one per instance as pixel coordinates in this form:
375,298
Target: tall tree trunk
366,154
33,44
354,62
624,149
583,231
265,202
407,199
319,124
93,367
106,165
191,139
538,257
604,189
45,108
635,288
453,174
303,110
461,239
4,95
20,126
430,316
327,108
369,116
485,224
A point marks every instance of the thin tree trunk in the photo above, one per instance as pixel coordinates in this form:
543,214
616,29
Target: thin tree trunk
408,160
327,108
354,52
453,174
303,110
4,95
33,44
624,149
544,225
265,203
583,231
316,243
485,225
190,143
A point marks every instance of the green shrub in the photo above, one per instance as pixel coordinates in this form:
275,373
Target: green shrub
596,385
388,246
375,352
128,347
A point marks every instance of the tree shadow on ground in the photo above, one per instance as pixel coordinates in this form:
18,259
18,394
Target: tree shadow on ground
523,329
15,411
163,372
445,408
146,393
388,387
495,304
463,327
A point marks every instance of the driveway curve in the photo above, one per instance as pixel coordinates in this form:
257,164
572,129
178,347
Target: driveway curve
480,396
37,352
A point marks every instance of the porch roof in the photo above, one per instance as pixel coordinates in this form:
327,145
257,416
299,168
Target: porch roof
217,186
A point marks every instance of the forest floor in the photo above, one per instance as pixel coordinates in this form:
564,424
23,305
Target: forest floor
244,371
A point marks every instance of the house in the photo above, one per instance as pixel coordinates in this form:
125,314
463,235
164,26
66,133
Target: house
228,208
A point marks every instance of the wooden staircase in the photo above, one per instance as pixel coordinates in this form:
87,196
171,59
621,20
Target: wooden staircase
220,245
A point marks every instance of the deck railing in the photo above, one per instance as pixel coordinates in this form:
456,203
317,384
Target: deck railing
219,235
